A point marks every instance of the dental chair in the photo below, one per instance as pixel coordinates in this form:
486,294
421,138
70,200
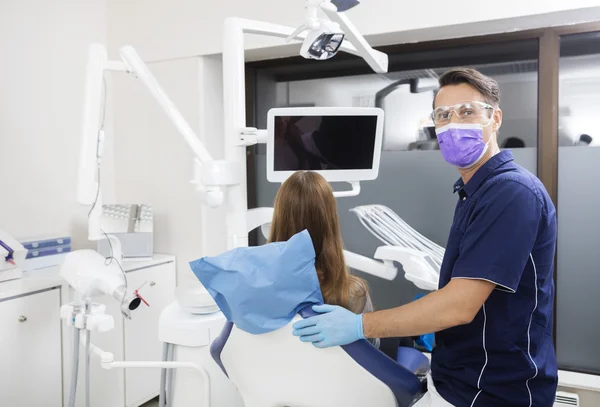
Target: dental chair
276,369
262,291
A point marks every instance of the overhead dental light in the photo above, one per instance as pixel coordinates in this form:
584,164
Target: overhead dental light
324,37
323,42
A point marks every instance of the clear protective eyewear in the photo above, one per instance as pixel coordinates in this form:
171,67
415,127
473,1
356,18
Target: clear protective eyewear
467,112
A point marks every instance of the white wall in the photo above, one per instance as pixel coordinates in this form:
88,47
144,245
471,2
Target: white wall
154,164
44,46
166,29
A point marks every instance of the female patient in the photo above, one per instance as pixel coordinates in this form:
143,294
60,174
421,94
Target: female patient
306,201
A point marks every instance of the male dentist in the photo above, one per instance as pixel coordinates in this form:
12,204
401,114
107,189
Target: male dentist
493,311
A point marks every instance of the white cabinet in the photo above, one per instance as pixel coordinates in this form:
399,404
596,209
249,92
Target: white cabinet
36,346
30,350
141,332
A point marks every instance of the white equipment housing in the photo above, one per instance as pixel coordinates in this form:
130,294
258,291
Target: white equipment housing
91,275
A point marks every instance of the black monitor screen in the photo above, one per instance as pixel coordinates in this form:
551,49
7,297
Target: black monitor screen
324,142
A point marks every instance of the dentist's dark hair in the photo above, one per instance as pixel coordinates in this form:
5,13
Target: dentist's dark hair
305,201
485,85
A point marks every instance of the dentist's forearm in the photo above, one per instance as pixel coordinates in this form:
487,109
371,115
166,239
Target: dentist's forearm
456,304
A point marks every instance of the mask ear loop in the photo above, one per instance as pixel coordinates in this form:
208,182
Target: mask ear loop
495,134
491,119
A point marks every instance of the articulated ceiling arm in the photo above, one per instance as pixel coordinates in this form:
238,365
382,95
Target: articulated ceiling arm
210,176
357,45
377,60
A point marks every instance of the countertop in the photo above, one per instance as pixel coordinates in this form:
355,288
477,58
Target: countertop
43,279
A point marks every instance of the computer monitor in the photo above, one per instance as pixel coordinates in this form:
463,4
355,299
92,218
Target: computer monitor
340,143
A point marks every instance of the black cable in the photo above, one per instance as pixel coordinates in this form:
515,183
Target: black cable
100,129
97,191
108,261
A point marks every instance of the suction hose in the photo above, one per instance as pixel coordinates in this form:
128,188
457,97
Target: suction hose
74,367
88,355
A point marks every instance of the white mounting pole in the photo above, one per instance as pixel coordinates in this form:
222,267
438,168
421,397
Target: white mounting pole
234,98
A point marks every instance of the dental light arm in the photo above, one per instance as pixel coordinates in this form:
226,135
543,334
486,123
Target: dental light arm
282,31
136,66
89,273
209,175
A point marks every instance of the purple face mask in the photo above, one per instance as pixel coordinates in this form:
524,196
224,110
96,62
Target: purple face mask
462,145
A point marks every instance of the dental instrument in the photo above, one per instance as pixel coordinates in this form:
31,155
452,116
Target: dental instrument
421,258
392,230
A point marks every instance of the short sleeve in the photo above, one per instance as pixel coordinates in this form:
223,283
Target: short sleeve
500,236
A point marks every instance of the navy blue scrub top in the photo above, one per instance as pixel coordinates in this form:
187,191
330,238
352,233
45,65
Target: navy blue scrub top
504,231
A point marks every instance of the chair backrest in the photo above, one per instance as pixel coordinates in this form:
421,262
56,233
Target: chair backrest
278,370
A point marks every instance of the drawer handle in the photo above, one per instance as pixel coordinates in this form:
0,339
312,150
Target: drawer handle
22,318
152,283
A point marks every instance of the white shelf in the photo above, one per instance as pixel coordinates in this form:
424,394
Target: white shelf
32,281
43,279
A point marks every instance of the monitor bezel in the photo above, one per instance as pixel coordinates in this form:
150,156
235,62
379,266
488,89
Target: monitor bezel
330,175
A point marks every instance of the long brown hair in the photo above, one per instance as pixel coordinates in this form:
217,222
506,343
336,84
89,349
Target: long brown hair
306,201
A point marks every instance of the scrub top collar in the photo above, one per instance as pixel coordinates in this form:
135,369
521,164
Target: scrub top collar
482,173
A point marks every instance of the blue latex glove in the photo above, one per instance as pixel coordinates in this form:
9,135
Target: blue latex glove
426,340
335,326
